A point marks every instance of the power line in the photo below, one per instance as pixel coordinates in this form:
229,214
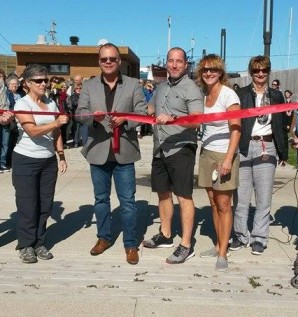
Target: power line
5,39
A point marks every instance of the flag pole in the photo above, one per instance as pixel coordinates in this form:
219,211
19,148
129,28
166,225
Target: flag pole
169,32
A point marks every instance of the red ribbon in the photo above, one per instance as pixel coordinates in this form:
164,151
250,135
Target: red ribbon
191,119
200,118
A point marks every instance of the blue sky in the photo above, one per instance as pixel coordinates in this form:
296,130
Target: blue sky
143,26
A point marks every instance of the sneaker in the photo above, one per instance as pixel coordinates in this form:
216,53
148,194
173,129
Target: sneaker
43,253
211,253
221,264
257,248
159,241
237,245
180,255
4,169
28,255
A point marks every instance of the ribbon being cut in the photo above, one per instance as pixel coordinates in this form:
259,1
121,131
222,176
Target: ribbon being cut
202,118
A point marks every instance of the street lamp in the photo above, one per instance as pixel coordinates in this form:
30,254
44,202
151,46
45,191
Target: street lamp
267,31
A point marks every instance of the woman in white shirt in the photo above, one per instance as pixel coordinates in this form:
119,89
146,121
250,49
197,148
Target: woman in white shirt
34,164
219,159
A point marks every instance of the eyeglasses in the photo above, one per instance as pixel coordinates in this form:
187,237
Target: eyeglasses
40,80
110,59
210,69
257,70
273,84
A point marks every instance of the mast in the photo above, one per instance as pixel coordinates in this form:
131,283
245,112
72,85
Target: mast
169,32
52,34
290,37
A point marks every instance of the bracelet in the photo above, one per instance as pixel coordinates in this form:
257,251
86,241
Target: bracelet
60,152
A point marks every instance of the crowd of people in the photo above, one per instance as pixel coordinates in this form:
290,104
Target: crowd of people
238,156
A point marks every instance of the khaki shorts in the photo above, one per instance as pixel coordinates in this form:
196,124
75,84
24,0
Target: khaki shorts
207,164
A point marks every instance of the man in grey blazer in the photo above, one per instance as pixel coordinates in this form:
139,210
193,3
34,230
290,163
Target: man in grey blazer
112,147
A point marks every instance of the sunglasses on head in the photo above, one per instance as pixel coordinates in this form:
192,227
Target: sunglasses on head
210,69
111,59
257,70
40,80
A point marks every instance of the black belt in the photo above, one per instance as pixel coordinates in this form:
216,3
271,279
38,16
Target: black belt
266,138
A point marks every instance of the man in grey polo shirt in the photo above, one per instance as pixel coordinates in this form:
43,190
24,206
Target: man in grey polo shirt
174,154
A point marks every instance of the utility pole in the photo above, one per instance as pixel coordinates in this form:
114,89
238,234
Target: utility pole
169,32
290,37
223,44
267,31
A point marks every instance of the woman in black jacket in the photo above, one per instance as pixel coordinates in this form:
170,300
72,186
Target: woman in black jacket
261,146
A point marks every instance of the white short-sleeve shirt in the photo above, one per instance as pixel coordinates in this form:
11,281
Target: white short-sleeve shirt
41,146
216,134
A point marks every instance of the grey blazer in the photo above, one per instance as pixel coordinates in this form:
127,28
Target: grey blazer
129,97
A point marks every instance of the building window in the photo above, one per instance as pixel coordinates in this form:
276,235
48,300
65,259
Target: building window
55,69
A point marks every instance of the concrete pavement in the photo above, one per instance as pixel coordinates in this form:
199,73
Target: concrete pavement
77,284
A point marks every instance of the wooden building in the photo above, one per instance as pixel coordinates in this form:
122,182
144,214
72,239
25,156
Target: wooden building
70,60
8,63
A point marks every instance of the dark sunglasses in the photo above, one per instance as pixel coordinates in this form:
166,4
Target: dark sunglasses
210,69
111,59
257,70
40,80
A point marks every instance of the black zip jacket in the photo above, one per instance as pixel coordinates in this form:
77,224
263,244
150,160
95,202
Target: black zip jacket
247,100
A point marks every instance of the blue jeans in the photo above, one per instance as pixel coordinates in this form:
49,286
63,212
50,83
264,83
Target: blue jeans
125,184
4,142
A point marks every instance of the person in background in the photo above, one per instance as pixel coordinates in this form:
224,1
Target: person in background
275,84
261,143
112,147
12,83
34,165
236,86
219,158
52,89
288,99
63,108
174,153
78,80
5,100
22,90
148,89
286,122
72,102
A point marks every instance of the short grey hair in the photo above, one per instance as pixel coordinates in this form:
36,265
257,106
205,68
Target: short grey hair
34,70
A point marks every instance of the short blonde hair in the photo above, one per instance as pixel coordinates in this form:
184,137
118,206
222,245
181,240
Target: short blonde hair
214,61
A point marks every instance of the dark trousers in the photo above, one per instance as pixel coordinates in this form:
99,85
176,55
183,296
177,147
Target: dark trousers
34,181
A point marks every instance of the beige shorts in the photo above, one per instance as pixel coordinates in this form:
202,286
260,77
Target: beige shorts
208,162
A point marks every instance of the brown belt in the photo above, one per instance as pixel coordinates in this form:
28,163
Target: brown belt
266,138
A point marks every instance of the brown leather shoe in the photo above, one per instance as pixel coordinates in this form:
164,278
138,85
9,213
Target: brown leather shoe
100,247
132,256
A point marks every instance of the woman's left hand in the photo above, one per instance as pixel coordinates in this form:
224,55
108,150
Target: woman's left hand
62,166
225,168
